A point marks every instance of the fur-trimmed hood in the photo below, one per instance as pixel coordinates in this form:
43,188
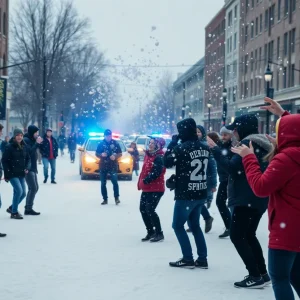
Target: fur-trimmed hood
261,140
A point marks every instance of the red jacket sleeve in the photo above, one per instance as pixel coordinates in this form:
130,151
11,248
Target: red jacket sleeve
273,179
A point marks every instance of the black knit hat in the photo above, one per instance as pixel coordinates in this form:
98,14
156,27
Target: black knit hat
18,131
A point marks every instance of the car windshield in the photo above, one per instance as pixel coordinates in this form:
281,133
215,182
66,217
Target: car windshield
93,144
141,141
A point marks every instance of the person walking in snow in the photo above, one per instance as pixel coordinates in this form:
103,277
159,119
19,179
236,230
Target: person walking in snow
32,141
109,151
49,151
72,145
16,164
225,145
248,209
62,143
1,172
280,181
152,184
135,157
211,183
191,160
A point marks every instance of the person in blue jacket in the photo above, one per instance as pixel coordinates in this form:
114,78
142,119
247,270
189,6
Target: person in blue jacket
211,183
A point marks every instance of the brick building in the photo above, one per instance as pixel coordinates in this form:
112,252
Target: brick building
214,69
4,12
270,31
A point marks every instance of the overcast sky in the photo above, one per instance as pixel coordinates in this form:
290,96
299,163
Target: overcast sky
147,31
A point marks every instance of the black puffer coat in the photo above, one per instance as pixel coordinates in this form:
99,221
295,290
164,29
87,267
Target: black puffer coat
32,146
15,160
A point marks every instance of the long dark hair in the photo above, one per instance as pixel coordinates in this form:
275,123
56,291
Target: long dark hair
214,136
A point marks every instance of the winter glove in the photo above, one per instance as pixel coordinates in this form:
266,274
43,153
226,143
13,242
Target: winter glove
171,182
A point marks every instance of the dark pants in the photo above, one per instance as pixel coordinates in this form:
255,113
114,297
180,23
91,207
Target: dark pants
284,268
221,204
185,210
148,204
62,150
114,181
245,221
52,163
33,187
18,184
72,155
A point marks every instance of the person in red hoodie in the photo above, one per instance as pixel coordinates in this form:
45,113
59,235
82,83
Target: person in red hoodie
280,181
152,184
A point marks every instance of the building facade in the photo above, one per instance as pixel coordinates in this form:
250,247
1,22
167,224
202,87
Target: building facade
189,93
214,70
232,54
4,13
270,35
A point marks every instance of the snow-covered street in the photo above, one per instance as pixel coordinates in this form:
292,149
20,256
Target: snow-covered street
78,249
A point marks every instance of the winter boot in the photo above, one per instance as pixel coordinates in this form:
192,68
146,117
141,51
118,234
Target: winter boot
16,216
104,202
117,200
267,279
250,282
225,234
148,237
9,210
31,212
182,263
208,224
2,235
46,179
53,182
159,237
201,264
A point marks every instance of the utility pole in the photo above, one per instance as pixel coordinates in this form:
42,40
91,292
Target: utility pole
44,104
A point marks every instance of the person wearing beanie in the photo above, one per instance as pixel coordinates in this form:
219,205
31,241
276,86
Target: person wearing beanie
152,184
49,152
190,156
16,163
211,183
247,208
33,142
109,151
225,144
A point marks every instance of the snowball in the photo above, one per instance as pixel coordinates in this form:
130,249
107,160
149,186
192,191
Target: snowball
282,225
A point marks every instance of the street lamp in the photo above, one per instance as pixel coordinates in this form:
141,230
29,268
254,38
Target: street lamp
269,93
209,106
224,115
73,117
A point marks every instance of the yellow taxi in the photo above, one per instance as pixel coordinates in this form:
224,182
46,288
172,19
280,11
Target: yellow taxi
89,163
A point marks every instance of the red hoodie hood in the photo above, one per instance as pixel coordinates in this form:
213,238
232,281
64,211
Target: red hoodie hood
288,136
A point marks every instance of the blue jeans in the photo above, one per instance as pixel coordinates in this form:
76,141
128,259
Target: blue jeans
72,155
284,269
114,181
18,184
185,210
52,163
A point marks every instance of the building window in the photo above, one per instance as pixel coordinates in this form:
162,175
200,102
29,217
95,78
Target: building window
286,7
252,62
260,23
266,54
252,29
272,15
279,10
227,45
235,11
230,18
251,87
259,86
285,49
255,86
246,89
292,75
256,26
260,57
277,79
4,24
284,78
242,90
271,50
293,40
235,41
230,43
234,94
228,71
247,5
246,64
293,5
246,34
266,19
0,20
278,47
255,57
234,71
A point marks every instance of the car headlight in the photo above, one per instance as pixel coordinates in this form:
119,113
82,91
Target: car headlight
125,160
90,159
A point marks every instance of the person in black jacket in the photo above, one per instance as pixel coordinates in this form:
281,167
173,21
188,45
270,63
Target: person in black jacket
109,151
5,143
32,141
1,173
225,145
16,163
247,208
49,151
61,143
191,158
136,158
72,145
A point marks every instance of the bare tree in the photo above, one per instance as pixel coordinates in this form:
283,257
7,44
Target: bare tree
42,28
